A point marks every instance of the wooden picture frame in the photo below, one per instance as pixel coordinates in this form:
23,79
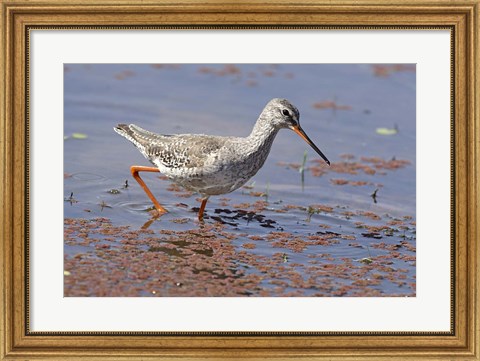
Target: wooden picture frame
18,342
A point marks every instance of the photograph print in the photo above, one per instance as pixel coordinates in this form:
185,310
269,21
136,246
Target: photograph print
239,180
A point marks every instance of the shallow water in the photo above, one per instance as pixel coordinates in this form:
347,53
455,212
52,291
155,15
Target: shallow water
274,237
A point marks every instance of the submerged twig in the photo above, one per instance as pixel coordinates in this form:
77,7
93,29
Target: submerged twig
70,199
104,205
267,188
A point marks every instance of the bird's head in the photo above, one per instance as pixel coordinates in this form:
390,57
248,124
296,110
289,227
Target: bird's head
283,114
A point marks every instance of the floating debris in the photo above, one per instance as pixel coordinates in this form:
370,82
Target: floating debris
372,235
386,131
104,205
250,185
79,136
365,260
71,199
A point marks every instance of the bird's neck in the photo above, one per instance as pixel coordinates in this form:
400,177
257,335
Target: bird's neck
262,136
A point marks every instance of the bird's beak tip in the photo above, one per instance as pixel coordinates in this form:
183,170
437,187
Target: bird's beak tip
297,129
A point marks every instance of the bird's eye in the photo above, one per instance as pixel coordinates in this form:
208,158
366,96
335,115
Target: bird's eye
286,112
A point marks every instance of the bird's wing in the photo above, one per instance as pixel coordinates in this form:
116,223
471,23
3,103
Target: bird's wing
173,151
186,150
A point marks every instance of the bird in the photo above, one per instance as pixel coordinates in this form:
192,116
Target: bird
208,164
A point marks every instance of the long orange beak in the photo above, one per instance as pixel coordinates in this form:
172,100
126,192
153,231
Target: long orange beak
301,133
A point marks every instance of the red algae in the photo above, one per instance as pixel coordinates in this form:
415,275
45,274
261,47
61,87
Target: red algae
217,259
342,182
330,104
389,69
366,165
124,74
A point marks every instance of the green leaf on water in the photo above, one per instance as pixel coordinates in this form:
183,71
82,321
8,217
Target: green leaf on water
366,260
387,131
79,136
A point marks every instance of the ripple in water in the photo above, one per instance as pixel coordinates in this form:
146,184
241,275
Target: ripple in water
134,207
88,177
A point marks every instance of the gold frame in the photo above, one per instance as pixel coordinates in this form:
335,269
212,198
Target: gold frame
17,342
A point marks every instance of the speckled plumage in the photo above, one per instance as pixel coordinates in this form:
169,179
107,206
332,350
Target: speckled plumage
213,165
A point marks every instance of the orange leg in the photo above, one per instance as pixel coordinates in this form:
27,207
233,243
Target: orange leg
202,208
134,169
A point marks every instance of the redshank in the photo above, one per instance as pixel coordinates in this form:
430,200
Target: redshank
213,165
